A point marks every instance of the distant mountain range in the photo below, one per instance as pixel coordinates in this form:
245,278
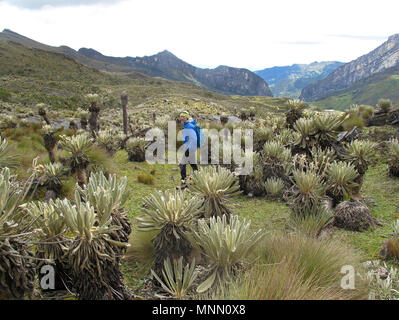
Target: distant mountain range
288,81
330,84
364,80
223,79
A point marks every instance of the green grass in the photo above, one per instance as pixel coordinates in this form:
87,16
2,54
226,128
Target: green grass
385,192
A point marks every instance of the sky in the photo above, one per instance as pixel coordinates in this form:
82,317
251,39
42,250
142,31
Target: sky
252,34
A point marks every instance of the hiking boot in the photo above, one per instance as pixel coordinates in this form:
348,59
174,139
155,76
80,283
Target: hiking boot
183,185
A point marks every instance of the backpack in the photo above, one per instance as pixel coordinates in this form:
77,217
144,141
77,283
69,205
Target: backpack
200,135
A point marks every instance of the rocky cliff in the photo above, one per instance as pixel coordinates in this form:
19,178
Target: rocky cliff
384,57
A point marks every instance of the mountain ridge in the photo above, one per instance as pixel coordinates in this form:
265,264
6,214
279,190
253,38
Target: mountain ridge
288,81
223,79
381,58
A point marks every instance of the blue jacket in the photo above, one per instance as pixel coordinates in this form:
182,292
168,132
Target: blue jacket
189,135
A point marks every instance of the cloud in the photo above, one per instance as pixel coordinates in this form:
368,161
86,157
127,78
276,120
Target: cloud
38,4
301,42
358,37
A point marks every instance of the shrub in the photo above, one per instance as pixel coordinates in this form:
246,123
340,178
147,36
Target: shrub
146,179
5,95
384,105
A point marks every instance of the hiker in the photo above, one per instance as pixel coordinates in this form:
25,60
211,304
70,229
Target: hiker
190,145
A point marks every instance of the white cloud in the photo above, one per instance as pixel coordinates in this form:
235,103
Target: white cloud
38,4
250,34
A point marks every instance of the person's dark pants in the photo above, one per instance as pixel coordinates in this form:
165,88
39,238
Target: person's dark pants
183,170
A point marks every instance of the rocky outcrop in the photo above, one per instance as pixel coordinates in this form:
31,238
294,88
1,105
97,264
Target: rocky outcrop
384,57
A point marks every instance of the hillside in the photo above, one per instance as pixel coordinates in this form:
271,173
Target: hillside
384,57
223,79
30,75
226,80
368,91
288,81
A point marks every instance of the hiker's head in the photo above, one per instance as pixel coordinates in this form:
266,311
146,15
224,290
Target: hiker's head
184,116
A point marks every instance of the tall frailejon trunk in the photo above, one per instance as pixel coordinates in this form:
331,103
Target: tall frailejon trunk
50,142
81,177
49,195
124,100
83,123
93,120
43,114
73,125
356,190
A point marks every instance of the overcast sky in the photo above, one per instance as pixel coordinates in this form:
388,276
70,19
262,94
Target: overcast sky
250,34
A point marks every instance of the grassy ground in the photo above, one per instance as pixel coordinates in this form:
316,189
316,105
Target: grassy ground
268,214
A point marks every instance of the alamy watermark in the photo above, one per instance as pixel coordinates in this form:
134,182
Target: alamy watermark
214,143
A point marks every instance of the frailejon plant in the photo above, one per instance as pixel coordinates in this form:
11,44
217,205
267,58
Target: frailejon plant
225,244
176,280
52,244
172,213
274,187
341,181
326,127
308,192
50,141
321,160
107,139
78,147
41,109
6,160
253,183
107,196
360,153
276,161
261,136
51,177
17,267
91,257
393,157
306,129
94,110
295,111
214,187
135,148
